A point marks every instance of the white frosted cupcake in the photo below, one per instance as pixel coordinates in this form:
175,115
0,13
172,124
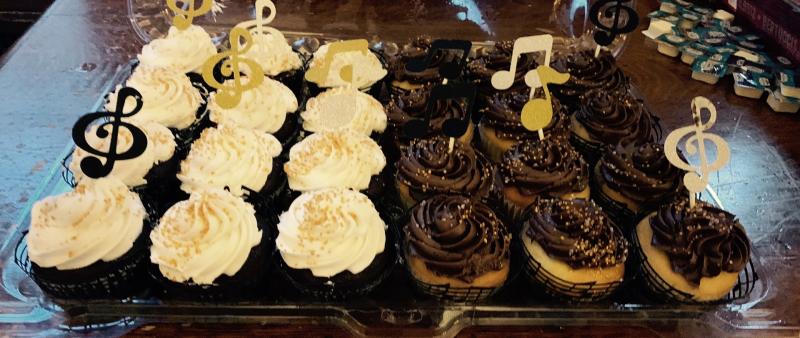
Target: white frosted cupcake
185,50
343,108
333,244
266,108
275,56
89,242
368,72
235,159
209,246
342,159
168,98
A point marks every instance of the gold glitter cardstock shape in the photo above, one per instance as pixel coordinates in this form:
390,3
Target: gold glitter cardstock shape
229,95
183,17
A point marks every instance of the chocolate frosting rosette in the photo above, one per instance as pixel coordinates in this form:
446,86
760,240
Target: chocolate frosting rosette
458,243
428,167
574,250
405,80
692,254
588,74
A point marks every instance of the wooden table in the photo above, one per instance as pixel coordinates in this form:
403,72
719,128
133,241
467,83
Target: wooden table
54,73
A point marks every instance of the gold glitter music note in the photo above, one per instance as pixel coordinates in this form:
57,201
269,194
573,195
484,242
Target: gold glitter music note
319,74
696,180
229,95
184,17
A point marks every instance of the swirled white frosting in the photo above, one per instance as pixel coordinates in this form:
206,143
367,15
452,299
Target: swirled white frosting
344,108
367,68
342,159
229,157
330,231
263,108
185,50
272,52
168,97
160,147
98,221
204,237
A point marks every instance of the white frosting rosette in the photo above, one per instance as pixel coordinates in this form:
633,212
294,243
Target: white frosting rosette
185,50
343,108
272,52
209,235
263,108
331,231
367,71
98,221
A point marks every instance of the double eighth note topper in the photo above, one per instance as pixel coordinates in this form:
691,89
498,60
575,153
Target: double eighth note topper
537,113
696,180
184,15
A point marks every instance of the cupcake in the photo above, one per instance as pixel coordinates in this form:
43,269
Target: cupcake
267,108
588,74
276,57
151,174
456,249
336,159
500,127
428,168
183,50
403,80
210,246
691,254
548,168
492,59
368,71
632,179
573,250
610,119
333,244
168,98
90,242
343,108
239,160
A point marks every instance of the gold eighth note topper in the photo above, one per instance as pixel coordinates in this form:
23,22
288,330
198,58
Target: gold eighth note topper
696,180
537,113
185,14
229,93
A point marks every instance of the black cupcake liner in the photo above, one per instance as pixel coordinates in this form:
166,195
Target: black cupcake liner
590,151
616,211
185,137
293,79
376,90
273,195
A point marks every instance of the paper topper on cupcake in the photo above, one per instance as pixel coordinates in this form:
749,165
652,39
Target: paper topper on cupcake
537,112
447,90
611,10
229,93
259,24
185,14
95,167
696,180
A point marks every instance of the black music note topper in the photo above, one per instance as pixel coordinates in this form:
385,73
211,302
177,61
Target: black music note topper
93,166
453,127
449,69
606,34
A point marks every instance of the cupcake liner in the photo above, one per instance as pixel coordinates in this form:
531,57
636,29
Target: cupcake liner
591,152
185,137
375,90
344,285
294,78
616,211
122,277
273,195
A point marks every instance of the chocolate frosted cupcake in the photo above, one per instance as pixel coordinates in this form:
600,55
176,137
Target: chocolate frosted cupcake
548,168
691,254
210,246
239,160
275,56
168,98
90,242
428,168
574,251
417,49
333,244
336,159
490,60
267,108
344,109
456,249
609,119
151,174
500,127
632,179
366,76
183,50
588,74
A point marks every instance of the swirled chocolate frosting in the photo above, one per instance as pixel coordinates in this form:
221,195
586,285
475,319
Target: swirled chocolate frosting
412,104
642,173
427,167
503,112
457,237
550,167
489,60
417,48
589,73
576,232
700,242
611,118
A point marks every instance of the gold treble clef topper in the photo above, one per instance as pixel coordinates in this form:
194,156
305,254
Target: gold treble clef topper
229,95
696,180
259,24
184,16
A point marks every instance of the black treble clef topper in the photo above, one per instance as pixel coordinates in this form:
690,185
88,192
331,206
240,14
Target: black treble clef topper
611,9
93,166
